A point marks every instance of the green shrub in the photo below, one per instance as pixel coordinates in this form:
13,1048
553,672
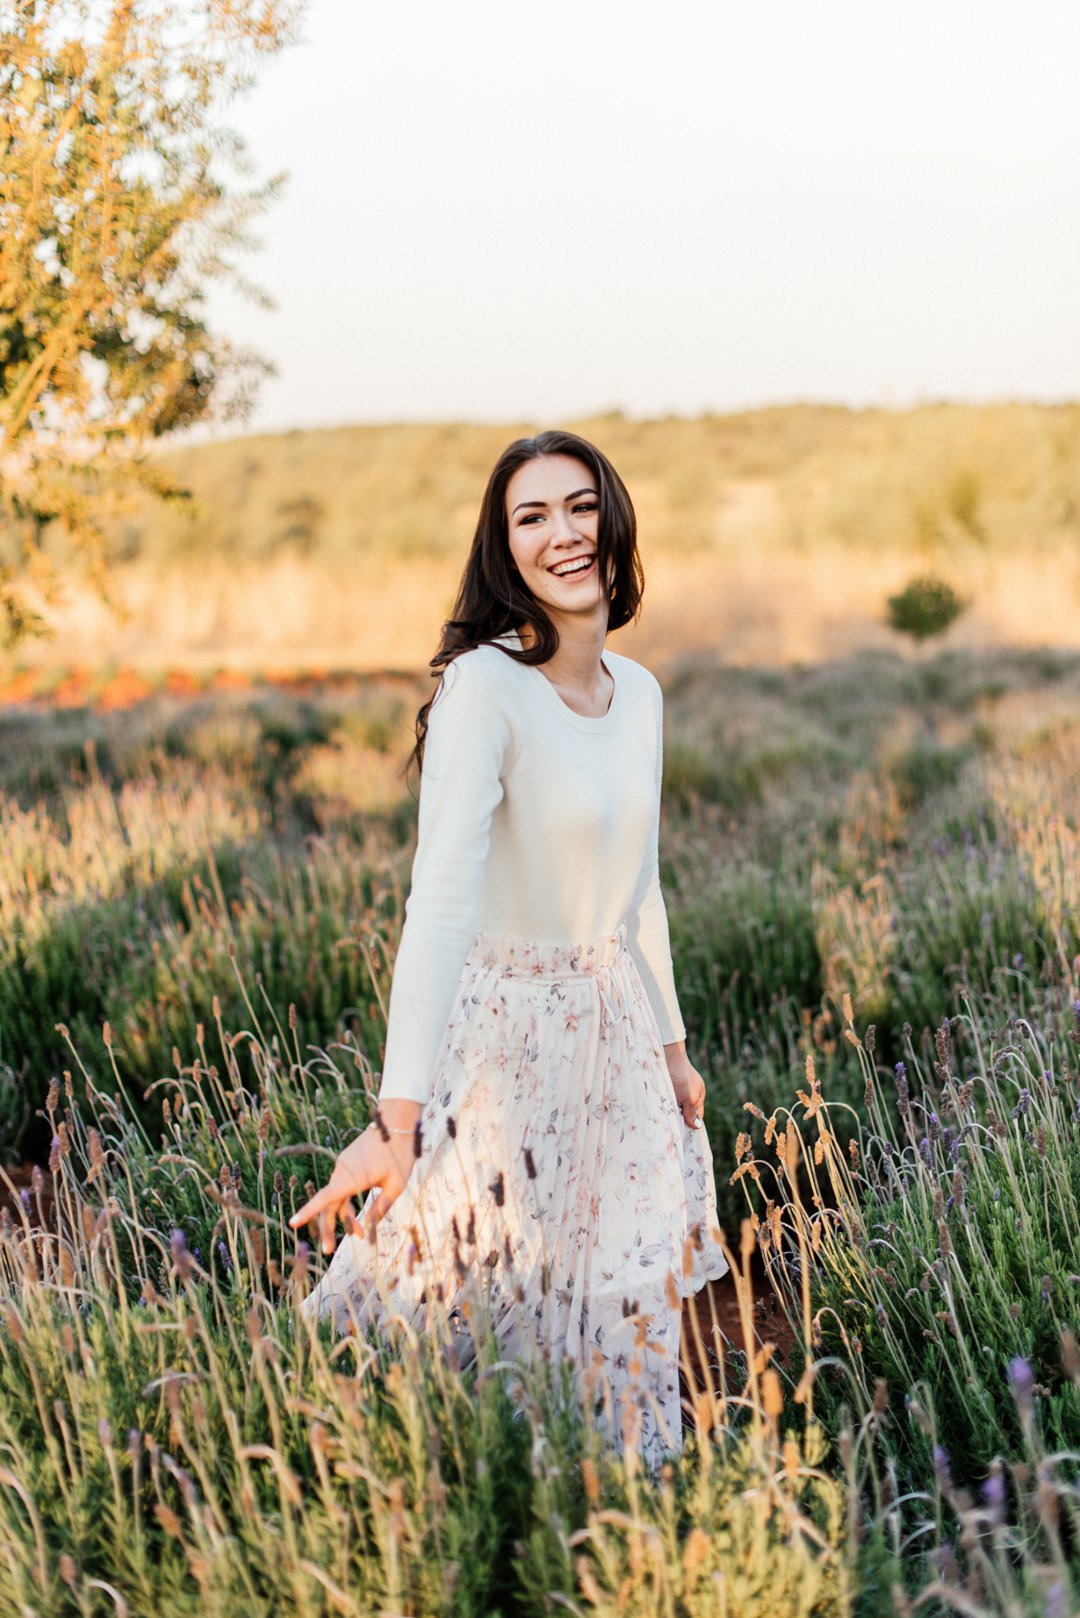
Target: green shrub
924,607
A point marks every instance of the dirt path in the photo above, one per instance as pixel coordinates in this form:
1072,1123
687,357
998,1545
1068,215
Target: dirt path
720,1323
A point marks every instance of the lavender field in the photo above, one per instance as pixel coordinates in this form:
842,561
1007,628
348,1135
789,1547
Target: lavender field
874,891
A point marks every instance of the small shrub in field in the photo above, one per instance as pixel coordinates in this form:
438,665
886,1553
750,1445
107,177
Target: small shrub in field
924,607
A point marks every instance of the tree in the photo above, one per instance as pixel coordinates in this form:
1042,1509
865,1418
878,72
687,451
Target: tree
121,198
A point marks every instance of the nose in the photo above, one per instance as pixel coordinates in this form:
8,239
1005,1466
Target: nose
563,529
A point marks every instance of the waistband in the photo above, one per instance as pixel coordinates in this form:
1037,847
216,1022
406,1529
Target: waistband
529,957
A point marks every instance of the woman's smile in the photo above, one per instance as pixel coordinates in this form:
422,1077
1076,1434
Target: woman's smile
575,568
553,522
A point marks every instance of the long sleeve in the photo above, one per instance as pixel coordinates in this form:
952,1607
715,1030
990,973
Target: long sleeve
466,750
647,923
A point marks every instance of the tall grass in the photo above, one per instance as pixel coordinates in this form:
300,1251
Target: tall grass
936,1261
177,1438
197,927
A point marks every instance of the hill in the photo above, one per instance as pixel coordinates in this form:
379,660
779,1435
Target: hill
770,536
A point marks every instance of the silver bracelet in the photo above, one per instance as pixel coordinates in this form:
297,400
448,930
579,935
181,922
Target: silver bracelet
390,1129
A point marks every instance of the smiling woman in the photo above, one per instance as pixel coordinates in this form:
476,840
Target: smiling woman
538,1113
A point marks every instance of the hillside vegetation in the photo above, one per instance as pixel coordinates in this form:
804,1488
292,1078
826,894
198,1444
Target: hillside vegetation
926,480
774,537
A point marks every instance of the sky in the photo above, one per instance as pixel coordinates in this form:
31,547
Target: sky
499,211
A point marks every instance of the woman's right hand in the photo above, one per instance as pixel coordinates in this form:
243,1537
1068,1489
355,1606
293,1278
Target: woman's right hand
367,1162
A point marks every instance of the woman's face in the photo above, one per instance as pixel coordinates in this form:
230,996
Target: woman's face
553,522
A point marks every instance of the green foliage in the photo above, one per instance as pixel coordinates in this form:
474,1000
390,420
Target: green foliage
924,607
196,1444
168,882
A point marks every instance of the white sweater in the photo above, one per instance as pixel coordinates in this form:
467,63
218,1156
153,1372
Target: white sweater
535,821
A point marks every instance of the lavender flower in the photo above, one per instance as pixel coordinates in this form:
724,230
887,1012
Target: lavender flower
1057,1604
1023,1386
942,1471
993,1493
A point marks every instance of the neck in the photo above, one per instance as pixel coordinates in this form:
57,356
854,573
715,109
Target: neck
581,643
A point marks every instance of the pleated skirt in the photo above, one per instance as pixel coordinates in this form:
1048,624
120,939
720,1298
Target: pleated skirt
554,1156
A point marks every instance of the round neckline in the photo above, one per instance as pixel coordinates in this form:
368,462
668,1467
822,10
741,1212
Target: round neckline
580,720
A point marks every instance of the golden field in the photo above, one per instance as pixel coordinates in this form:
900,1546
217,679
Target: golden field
772,537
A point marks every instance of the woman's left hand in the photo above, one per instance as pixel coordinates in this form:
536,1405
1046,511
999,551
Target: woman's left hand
687,1083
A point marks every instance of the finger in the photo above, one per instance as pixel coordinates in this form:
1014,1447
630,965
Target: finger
379,1208
333,1193
313,1206
327,1221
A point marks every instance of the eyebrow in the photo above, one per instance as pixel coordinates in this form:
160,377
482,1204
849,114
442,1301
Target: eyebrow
544,502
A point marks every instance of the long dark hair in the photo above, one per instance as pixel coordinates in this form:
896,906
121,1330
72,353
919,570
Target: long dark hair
493,598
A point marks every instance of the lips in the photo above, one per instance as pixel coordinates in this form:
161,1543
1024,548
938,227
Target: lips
573,567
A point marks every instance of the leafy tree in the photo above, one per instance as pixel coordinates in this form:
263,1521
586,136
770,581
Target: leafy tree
924,607
121,198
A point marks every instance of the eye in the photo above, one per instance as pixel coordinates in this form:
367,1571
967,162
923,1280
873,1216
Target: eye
586,505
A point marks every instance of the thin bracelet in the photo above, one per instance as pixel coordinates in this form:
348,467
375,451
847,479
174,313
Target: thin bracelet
390,1130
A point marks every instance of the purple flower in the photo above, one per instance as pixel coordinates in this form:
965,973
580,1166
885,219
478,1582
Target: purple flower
1057,1603
993,1492
1024,1104
1023,1385
901,1070
941,1467
1018,960
178,1242
934,1128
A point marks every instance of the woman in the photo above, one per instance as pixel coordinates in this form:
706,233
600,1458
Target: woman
537,1109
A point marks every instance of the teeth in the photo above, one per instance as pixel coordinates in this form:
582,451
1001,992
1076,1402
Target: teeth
572,567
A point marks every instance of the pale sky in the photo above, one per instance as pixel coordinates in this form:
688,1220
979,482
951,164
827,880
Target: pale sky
500,210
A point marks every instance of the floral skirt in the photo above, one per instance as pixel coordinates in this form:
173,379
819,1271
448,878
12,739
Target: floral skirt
553,1151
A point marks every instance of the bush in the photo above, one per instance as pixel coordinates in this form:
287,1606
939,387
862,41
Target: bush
924,607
